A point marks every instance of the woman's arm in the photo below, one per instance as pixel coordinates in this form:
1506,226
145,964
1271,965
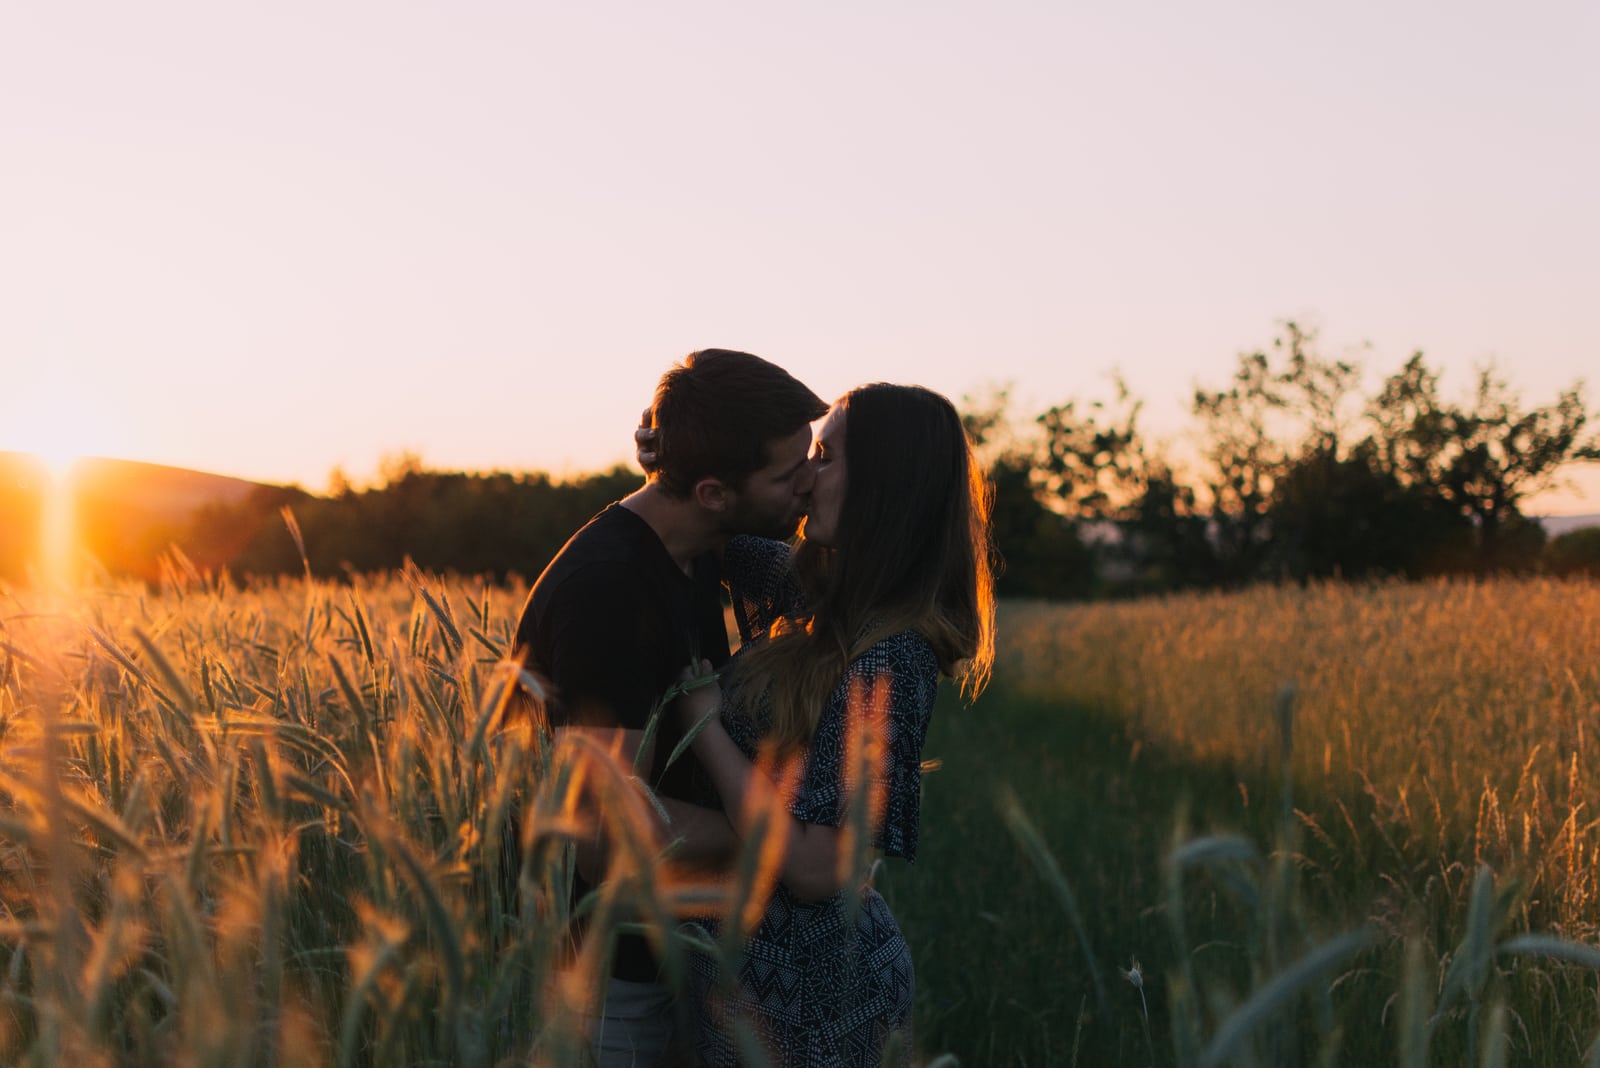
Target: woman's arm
810,867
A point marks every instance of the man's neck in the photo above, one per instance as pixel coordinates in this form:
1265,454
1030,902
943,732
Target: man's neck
682,527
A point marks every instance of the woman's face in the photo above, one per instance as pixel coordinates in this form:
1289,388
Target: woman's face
827,494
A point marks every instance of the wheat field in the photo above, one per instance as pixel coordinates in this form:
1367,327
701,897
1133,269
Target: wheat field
269,825
1392,788
1463,713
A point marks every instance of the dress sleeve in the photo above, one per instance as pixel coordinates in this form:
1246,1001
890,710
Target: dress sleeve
904,668
761,581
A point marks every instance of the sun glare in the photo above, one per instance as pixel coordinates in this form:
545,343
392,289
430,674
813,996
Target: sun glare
58,525
37,426
58,536
47,413
57,461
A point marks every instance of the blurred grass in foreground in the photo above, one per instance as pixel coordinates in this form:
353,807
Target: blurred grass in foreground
276,825
267,827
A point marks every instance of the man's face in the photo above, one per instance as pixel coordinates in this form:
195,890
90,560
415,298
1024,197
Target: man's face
774,499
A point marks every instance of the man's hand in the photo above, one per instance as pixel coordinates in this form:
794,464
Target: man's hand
644,442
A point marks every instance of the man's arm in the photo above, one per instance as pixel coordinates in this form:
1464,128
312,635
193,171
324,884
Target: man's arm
700,837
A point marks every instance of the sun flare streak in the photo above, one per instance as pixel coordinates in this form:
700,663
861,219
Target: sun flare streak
58,526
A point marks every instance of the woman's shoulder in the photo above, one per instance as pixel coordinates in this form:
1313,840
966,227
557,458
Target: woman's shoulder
903,643
902,653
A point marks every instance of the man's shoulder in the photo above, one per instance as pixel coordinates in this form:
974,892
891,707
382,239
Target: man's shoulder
606,563
609,540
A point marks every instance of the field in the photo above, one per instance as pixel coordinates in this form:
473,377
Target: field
1324,825
1441,747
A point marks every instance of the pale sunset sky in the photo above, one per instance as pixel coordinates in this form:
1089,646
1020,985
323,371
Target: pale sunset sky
268,240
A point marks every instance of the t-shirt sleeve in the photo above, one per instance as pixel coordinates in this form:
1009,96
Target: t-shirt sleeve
601,652
761,582
904,674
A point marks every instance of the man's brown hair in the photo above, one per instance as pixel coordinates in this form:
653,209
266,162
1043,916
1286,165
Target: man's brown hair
716,412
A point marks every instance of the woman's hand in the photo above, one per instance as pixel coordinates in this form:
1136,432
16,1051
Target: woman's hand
702,695
644,443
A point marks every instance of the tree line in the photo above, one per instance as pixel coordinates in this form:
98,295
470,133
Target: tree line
499,524
1295,474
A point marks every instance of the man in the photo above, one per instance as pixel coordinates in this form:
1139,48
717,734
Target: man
635,596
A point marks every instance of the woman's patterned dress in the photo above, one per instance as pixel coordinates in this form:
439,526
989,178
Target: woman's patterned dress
818,989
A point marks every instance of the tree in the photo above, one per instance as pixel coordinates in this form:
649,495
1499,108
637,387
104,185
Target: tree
1484,457
1283,408
1094,465
1041,552
1347,518
1098,467
1577,552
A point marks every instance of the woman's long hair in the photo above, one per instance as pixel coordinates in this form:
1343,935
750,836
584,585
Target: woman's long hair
912,552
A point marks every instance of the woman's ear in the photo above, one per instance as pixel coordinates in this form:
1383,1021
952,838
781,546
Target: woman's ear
712,494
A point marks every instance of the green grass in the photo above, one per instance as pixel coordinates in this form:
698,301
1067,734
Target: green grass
1001,975
1120,745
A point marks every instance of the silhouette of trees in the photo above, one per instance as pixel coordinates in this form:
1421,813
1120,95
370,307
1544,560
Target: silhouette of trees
1041,550
494,524
1577,552
1296,475
1295,472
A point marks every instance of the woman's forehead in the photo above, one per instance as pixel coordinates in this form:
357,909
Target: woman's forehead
831,425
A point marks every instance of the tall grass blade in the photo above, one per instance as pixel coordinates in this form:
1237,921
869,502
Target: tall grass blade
184,697
439,608
688,738
293,524
1283,708
1553,948
1262,1006
1044,862
1415,1008
1496,1040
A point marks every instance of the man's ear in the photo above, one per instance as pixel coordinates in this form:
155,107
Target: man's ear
713,495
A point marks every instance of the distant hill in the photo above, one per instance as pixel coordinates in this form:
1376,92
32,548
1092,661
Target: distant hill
160,492
125,512
1556,525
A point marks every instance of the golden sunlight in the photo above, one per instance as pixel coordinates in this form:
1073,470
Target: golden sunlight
55,421
57,525
44,431
54,441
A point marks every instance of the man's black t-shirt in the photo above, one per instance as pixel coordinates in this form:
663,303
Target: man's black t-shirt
611,624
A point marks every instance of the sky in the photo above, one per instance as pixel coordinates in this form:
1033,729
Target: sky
269,240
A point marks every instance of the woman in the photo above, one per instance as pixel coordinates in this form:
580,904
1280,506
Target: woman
889,589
